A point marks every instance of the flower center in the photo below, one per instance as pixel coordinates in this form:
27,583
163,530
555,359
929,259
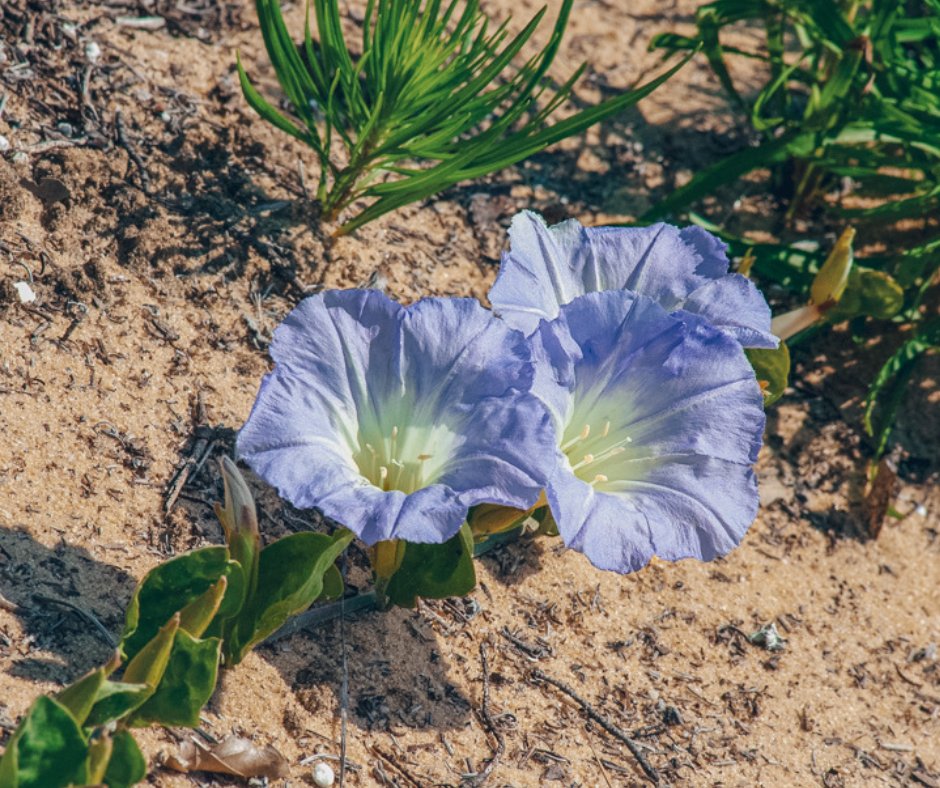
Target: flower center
403,458
592,450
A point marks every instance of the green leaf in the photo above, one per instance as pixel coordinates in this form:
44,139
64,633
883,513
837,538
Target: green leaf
186,686
50,749
171,586
80,696
831,281
291,574
333,586
117,699
772,367
127,766
434,571
871,293
148,664
898,368
8,764
198,614
99,753
146,668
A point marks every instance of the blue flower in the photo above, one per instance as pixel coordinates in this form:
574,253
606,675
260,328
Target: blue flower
660,418
395,420
687,269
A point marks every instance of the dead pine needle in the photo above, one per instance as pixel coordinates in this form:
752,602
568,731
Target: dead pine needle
491,727
601,720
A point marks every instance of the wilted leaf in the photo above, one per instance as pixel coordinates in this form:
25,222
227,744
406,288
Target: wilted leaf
434,571
233,755
880,495
772,368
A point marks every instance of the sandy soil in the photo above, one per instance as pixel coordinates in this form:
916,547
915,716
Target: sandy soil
166,233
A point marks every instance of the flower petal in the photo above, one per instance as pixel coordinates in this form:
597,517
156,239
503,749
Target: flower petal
661,420
434,387
547,267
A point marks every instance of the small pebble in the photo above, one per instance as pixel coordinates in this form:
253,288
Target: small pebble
4,144
92,51
323,775
921,510
25,292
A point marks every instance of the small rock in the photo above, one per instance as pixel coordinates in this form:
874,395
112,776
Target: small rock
92,52
25,292
323,775
4,144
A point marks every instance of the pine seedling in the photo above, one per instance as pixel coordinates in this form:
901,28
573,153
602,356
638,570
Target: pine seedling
434,96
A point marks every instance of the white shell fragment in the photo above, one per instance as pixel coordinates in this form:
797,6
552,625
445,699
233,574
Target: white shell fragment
323,775
92,51
25,292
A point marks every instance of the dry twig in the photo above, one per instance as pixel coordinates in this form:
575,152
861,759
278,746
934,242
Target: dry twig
601,720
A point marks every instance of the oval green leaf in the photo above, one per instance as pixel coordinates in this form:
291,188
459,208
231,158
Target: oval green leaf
50,749
434,571
127,766
187,683
291,575
168,588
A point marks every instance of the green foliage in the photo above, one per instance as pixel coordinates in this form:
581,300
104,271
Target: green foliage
894,377
431,98
434,571
171,587
291,576
127,765
81,736
186,684
852,92
47,750
773,370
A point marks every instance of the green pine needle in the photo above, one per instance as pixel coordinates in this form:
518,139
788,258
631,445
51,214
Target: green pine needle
434,95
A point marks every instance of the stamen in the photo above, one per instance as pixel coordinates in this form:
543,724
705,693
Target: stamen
585,431
383,476
423,457
606,431
399,467
599,479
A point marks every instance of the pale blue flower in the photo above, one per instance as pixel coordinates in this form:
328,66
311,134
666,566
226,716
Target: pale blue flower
395,420
687,269
660,418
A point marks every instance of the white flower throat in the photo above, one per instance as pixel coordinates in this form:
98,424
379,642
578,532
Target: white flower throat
404,457
592,450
